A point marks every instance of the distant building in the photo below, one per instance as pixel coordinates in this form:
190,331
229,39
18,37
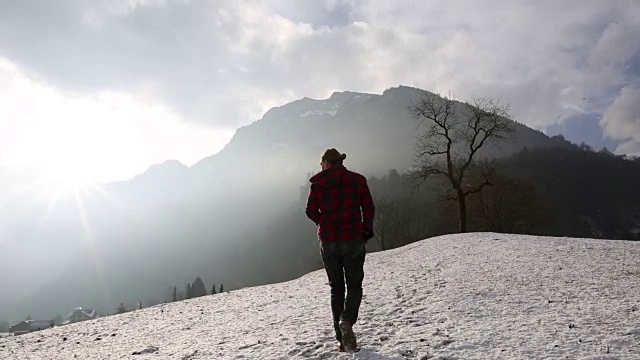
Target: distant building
79,314
27,326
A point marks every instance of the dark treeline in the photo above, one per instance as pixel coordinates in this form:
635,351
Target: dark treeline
558,191
403,214
191,290
588,194
173,294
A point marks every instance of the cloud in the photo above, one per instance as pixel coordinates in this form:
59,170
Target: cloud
631,147
324,13
621,120
222,64
107,136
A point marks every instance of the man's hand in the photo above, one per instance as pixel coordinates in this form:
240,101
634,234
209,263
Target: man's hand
367,235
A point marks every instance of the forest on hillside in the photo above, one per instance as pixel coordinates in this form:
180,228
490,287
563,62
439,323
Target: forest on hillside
559,191
569,191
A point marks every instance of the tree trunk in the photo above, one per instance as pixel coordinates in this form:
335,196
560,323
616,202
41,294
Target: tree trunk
463,211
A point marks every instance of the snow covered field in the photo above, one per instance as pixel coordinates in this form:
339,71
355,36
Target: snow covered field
471,296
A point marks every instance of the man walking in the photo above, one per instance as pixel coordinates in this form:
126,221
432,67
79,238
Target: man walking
340,203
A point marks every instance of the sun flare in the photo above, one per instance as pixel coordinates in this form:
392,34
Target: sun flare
64,180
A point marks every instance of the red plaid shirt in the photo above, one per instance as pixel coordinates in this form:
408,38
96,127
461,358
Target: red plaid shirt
340,203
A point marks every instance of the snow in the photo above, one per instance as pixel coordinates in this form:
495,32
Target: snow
470,296
318,113
367,96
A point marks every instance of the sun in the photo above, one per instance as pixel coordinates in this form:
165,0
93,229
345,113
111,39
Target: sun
62,180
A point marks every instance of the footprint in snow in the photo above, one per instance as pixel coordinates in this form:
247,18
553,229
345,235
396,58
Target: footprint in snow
443,343
149,350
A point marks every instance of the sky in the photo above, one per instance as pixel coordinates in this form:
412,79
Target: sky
104,89
461,296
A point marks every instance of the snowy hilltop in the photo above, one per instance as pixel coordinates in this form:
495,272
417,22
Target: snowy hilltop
469,296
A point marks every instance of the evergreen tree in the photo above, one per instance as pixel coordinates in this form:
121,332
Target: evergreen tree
168,295
198,289
57,320
189,291
221,289
213,289
121,309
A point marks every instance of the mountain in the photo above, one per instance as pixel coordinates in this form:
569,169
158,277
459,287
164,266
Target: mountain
376,131
218,219
467,296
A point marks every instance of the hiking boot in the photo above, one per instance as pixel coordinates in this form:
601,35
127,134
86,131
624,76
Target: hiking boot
348,337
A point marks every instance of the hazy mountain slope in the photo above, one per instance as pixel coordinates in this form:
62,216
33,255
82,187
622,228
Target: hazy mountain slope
471,296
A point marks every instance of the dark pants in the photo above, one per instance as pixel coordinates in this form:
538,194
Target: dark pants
344,260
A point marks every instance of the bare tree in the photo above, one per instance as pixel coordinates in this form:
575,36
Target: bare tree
389,223
401,229
385,212
394,220
451,135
